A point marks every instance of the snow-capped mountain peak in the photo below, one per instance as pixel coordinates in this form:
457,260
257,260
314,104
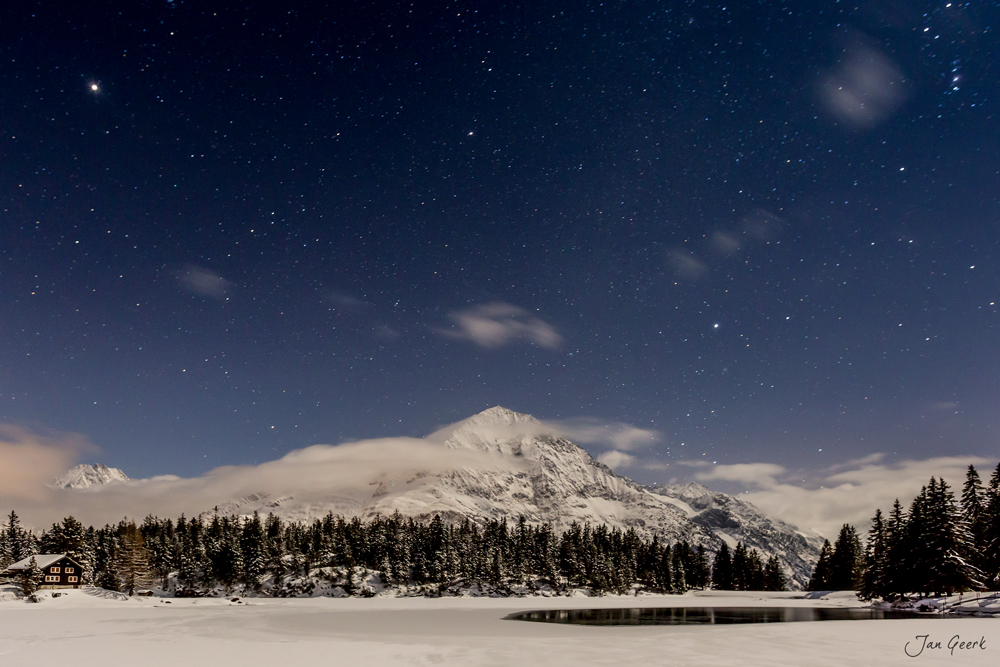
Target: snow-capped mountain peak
85,475
501,464
498,415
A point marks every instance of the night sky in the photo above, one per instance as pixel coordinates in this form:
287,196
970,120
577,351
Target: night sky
765,232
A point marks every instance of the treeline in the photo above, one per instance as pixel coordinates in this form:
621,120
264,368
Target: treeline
941,545
271,556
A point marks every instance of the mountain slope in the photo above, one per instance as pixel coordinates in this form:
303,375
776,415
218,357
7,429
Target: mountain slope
547,478
735,521
84,476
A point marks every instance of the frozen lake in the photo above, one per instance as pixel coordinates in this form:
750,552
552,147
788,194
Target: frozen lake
83,629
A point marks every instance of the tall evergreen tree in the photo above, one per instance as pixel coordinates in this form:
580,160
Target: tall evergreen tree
701,570
19,540
722,569
948,543
252,550
846,561
991,532
132,561
974,508
30,578
70,538
774,575
741,568
820,580
874,579
895,531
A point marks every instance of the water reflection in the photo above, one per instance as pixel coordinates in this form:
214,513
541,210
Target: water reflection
703,615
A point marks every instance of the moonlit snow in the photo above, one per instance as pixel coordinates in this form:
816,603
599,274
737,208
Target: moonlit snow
95,628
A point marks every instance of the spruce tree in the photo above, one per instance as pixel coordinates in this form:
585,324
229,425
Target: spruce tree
895,530
678,570
741,568
820,580
19,540
991,532
30,578
949,544
846,561
252,549
774,575
974,506
874,579
722,569
701,569
5,559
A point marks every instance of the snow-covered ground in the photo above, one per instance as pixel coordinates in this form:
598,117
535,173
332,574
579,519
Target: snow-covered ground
88,627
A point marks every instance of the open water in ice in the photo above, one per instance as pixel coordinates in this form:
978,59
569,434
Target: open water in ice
704,615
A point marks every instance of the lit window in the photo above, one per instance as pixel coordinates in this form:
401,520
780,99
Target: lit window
72,579
49,578
54,570
69,570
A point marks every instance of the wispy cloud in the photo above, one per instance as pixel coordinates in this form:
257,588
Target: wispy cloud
593,431
624,440
758,474
845,493
204,282
498,324
31,460
616,459
866,88
686,265
349,471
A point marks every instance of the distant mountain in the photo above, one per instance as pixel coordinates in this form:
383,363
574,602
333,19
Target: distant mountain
547,478
735,520
84,476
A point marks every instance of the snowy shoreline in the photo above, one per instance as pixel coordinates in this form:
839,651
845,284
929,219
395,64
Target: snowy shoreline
87,628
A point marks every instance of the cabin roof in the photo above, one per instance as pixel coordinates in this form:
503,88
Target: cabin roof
42,560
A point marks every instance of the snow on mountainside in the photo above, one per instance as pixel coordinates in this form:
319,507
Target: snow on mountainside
737,521
84,476
547,478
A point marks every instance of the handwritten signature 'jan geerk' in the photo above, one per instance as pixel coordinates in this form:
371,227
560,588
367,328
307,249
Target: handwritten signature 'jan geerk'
921,642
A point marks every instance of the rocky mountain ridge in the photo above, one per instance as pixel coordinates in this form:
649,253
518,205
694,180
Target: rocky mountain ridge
526,469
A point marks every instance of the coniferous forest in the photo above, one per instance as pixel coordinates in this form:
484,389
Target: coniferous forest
939,546
219,554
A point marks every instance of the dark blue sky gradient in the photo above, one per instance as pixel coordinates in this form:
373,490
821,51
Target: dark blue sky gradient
258,230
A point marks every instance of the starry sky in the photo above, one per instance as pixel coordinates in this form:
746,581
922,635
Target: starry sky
750,232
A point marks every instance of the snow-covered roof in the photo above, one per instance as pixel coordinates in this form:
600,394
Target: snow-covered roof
42,560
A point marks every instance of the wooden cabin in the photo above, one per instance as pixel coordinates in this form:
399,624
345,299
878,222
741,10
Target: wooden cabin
58,570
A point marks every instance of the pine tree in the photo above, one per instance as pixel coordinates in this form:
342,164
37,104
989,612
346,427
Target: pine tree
19,540
678,571
820,580
846,561
252,548
70,538
774,575
741,568
702,573
974,507
30,578
132,563
874,579
991,532
949,543
895,530
722,569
